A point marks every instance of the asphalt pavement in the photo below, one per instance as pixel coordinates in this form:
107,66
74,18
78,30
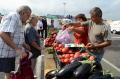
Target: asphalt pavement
111,60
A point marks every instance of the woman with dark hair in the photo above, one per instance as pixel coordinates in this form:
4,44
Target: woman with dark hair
80,33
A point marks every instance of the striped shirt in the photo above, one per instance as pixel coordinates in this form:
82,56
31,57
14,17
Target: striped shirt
13,25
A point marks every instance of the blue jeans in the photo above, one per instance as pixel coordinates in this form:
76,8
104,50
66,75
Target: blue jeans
99,55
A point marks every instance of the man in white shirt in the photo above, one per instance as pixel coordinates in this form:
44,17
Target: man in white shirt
12,39
40,26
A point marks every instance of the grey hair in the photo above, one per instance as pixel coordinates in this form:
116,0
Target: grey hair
24,8
31,18
97,11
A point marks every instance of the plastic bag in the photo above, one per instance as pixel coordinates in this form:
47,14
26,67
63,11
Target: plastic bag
23,68
64,37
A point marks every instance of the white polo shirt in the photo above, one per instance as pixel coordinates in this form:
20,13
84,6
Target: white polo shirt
39,25
13,25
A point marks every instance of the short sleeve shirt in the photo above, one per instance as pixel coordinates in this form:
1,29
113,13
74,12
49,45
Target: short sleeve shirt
98,33
13,25
31,34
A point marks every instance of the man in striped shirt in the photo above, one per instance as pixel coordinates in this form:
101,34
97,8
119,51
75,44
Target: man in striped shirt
12,39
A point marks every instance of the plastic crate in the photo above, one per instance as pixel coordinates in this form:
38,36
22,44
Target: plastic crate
58,62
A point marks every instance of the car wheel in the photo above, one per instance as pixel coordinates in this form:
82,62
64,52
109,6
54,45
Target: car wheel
114,31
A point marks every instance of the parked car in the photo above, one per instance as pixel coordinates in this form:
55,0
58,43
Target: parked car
115,27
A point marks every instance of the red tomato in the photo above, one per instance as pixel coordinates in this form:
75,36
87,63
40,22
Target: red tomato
85,54
71,58
67,56
57,48
47,39
65,50
91,58
59,56
71,55
61,45
66,60
55,44
52,39
77,54
46,43
63,55
62,60
70,51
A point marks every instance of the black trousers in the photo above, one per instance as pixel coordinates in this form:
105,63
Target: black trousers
45,32
41,32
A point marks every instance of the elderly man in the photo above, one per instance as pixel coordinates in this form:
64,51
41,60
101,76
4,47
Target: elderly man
98,32
12,39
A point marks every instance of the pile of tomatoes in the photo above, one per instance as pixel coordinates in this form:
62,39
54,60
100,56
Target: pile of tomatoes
50,40
66,54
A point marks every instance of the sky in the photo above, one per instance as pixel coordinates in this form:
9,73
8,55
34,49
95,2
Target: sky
110,8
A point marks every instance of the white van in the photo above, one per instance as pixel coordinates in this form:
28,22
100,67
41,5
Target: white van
66,21
115,26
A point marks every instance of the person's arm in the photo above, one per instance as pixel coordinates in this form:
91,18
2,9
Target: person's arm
104,44
77,24
80,30
97,46
8,40
107,40
26,46
78,27
33,43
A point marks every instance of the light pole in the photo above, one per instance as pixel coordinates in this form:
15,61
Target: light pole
64,4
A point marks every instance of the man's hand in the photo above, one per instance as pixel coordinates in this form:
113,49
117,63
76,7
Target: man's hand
90,46
26,46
